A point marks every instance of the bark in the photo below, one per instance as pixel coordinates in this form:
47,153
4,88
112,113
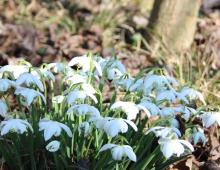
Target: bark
173,22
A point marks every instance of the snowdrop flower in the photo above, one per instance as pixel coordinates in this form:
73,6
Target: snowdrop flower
85,128
114,69
113,126
158,82
29,79
170,147
124,83
53,128
137,85
198,135
47,74
15,70
6,84
168,111
164,132
53,146
78,94
192,94
16,125
130,108
187,111
58,67
58,99
84,109
209,118
3,108
169,95
85,63
29,95
153,108
119,151
76,79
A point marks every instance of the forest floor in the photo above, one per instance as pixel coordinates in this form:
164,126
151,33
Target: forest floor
55,32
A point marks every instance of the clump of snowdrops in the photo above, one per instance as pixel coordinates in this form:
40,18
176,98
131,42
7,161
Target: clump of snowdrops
58,118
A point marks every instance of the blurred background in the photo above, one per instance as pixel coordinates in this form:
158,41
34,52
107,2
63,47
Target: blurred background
181,36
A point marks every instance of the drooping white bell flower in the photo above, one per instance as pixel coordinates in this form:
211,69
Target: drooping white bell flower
209,118
15,70
29,95
153,108
53,146
15,125
113,126
137,85
79,94
6,84
29,79
47,74
169,147
197,136
3,108
164,132
53,128
58,68
169,95
158,82
118,151
114,73
76,79
130,108
187,111
86,63
84,128
58,99
168,111
192,94
124,83
84,109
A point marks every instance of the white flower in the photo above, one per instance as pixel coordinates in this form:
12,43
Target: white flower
125,83
76,79
85,128
119,151
47,74
209,118
192,94
84,109
6,84
198,135
57,67
53,128
85,62
130,108
58,99
29,79
114,73
53,146
187,111
169,95
114,69
3,108
113,126
158,82
79,94
164,132
15,125
153,108
170,147
137,85
168,111
29,94
15,70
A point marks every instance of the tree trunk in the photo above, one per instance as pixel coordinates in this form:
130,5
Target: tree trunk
173,22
